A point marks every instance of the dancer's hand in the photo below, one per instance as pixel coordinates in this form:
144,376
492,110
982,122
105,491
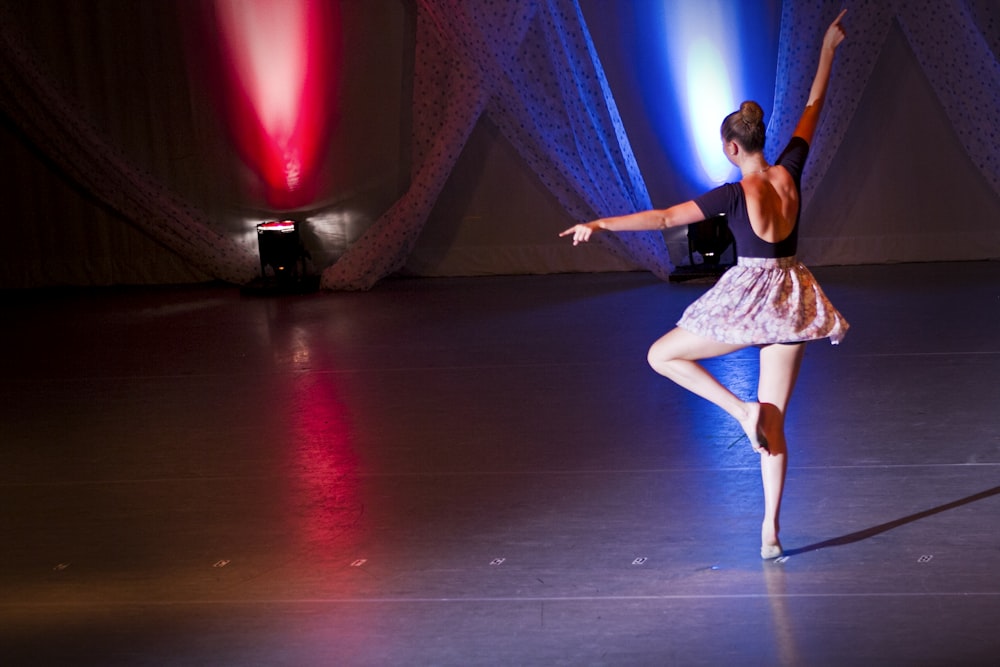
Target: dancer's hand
835,33
581,233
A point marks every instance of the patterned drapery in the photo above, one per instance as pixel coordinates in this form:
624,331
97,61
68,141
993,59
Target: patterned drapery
956,43
532,67
57,128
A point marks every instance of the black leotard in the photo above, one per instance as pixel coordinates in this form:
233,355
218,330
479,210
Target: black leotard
730,200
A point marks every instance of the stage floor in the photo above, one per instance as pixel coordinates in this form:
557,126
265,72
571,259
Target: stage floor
485,471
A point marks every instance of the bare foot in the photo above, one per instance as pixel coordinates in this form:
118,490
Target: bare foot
752,427
770,547
771,551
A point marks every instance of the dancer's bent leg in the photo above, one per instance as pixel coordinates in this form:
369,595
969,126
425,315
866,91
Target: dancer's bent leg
675,356
779,368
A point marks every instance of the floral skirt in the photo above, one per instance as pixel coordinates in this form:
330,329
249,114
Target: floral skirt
761,301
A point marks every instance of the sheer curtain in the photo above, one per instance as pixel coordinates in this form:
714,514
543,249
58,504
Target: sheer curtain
955,42
532,67
905,165
57,127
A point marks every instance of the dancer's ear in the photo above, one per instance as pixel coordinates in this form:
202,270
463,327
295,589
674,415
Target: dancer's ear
731,149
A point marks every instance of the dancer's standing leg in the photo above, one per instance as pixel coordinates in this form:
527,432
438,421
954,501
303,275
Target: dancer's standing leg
779,368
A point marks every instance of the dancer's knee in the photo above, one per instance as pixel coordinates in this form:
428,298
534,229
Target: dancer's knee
659,357
651,357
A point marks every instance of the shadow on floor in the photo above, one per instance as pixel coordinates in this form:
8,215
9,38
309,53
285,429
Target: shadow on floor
885,527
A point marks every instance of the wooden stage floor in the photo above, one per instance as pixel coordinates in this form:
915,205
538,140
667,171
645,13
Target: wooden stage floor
486,472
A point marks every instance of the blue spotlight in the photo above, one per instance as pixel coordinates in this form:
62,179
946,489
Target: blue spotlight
708,97
703,44
696,61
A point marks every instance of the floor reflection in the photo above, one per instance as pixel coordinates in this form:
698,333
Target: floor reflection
326,501
784,630
325,465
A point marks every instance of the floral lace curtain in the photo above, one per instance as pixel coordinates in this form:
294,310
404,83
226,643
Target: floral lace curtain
530,65
956,43
57,128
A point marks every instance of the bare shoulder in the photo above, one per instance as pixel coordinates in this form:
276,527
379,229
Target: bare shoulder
781,180
775,178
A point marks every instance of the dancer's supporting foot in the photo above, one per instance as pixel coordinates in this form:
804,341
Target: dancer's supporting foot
770,547
771,551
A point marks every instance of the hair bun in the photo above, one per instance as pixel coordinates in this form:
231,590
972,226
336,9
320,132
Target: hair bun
751,113
746,125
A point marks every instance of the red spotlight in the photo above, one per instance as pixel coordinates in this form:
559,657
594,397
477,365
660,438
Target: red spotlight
280,78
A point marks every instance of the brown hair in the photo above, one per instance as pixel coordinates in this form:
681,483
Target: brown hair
746,127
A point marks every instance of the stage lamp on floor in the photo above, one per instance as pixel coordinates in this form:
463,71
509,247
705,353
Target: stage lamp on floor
281,254
282,260
708,239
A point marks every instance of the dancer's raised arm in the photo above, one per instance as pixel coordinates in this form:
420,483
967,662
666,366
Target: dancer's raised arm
817,94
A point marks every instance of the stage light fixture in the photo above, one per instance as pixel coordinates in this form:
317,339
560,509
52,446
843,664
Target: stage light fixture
708,239
282,257
282,261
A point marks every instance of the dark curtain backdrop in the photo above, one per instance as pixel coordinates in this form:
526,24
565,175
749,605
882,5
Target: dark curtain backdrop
122,170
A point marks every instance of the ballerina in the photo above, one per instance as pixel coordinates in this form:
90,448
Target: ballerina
769,300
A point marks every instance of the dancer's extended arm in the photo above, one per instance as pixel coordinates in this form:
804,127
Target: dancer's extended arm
681,214
817,94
